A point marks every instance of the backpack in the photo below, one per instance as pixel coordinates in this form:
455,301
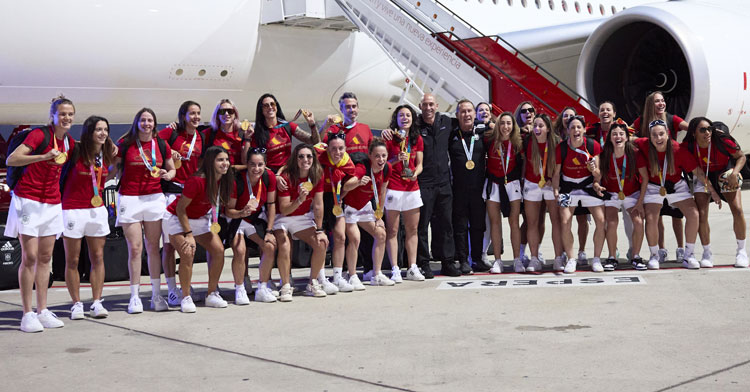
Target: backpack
564,151
16,172
199,131
162,145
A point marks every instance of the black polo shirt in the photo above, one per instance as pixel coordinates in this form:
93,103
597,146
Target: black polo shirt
435,136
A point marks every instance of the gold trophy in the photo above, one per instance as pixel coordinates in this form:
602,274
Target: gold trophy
406,172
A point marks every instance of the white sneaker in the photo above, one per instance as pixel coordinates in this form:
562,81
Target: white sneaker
368,275
381,280
663,255
240,296
97,310
342,284
135,305
518,266
76,312
691,263
159,304
30,323
679,254
570,266
315,290
557,264
535,265
541,259
50,320
596,265
486,258
653,262
264,294
414,274
285,294
356,283
174,297
525,259
741,260
706,261
187,305
327,286
214,300
396,275
497,267
582,259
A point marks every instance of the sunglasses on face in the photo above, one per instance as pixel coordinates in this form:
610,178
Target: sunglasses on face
706,129
527,110
269,105
226,111
304,156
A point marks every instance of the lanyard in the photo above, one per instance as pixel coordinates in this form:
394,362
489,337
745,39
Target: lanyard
507,159
250,186
620,179
350,126
215,210
375,189
584,151
65,142
469,151
544,161
192,144
96,181
336,189
662,177
708,159
152,165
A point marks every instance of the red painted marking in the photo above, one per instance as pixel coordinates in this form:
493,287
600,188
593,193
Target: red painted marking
744,74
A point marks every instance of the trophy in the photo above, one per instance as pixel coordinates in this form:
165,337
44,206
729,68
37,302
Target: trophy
405,147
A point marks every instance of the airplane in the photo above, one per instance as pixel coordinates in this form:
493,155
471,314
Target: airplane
112,58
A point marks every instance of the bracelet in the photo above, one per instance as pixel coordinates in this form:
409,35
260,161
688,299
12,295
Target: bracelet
184,233
319,230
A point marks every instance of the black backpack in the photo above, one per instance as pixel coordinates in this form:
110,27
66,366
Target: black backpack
16,172
564,151
234,224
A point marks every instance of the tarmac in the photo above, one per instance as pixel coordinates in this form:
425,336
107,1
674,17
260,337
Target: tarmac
666,330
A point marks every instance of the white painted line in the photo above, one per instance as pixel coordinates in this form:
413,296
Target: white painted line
564,281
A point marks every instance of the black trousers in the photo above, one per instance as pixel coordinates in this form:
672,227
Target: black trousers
436,212
468,223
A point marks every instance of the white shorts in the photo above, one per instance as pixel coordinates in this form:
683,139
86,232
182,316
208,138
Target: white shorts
164,229
295,223
532,192
86,222
199,226
681,192
365,214
145,208
402,200
513,189
246,229
626,204
33,218
580,195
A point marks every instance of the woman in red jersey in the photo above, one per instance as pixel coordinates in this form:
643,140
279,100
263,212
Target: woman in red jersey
368,186
84,212
721,159
524,116
301,212
665,163
255,192
537,188
405,152
619,163
186,142
193,218
503,185
35,213
226,132
143,160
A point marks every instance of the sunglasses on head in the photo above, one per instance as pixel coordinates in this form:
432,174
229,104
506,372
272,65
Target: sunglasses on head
657,122
268,105
706,129
527,110
258,150
341,136
225,111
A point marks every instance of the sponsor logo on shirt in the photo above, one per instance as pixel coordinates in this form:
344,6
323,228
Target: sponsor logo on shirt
7,247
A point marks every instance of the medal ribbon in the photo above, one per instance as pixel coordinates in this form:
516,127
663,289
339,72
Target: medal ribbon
708,160
337,188
192,144
375,189
96,181
352,125
469,151
507,159
215,210
65,142
250,187
620,179
584,151
544,162
662,177
152,165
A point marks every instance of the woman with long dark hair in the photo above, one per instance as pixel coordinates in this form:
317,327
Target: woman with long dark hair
721,159
35,213
84,212
193,218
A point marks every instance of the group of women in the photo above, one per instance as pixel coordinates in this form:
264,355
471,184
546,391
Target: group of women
214,186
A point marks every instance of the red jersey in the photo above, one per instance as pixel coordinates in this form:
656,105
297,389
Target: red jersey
293,192
182,145
672,126
495,161
530,175
195,190
279,145
136,180
718,161
631,184
232,142
395,181
259,190
683,161
358,136
361,195
575,162
79,188
41,180
340,172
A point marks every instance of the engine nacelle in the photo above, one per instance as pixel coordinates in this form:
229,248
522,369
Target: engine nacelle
694,52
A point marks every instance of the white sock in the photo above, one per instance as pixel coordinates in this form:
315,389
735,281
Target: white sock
654,250
155,286
171,284
321,274
337,271
396,268
740,244
523,250
707,249
238,286
596,259
134,288
263,285
689,249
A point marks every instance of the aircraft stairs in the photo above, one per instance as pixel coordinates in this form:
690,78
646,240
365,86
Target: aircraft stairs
430,43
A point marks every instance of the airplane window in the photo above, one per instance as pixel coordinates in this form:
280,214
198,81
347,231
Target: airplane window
538,4
590,8
565,6
224,73
614,10
510,2
552,5
178,72
523,3
601,9
202,72
578,7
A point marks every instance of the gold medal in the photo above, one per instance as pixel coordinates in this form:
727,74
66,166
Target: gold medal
470,165
155,172
379,213
621,195
177,163
307,185
215,227
542,182
61,158
337,210
337,119
663,191
253,203
97,201
245,125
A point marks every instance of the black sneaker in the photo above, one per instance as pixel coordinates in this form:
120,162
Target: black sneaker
638,264
450,269
610,264
466,268
480,266
427,271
